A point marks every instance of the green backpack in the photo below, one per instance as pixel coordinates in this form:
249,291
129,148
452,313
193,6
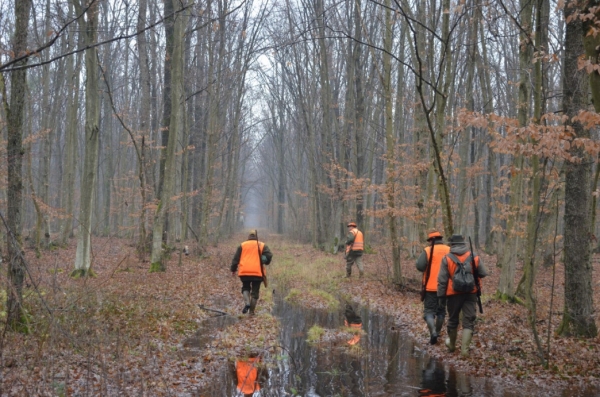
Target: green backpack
463,280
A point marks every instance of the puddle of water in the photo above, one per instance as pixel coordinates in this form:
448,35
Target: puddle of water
387,363
206,332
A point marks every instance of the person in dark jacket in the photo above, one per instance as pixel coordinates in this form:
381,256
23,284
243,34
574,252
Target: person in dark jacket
457,302
248,262
434,309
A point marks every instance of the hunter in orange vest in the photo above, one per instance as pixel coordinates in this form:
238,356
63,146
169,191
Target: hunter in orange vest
434,309
248,262
457,302
355,245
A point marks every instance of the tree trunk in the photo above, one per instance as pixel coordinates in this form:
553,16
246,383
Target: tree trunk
177,101
508,255
15,115
68,183
578,315
92,121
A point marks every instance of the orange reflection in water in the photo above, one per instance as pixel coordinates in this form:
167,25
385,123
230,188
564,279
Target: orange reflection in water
430,393
247,373
356,338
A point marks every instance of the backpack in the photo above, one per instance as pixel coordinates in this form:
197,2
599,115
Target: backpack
462,280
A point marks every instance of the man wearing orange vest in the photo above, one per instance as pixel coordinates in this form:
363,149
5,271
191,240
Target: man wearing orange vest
248,261
434,310
457,302
355,245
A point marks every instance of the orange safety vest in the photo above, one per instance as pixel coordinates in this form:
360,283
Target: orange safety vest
359,242
452,269
439,252
246,375
249,259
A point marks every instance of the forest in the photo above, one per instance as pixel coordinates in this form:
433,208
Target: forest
155,125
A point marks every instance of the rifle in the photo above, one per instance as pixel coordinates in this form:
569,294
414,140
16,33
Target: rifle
262,267
427,271
476,276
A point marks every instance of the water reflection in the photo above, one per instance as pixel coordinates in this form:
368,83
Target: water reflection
433,380
249,375
381,362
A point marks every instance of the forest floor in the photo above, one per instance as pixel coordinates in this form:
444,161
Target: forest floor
131,332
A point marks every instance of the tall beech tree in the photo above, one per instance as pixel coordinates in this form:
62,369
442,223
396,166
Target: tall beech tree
176,99
15,113
89,27
578,314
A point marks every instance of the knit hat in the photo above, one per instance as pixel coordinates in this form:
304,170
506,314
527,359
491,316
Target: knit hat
252,234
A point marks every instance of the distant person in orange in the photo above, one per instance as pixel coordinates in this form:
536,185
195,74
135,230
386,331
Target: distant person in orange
247,262
434,309
355,245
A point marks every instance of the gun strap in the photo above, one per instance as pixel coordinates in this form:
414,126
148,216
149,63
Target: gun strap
428,270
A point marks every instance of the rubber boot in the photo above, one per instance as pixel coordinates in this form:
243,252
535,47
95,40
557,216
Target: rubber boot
451,339
433,336
361,274
439,323
252,306
348,273
246,295
467,335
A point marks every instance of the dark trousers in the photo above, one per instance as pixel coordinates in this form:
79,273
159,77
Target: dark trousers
465,303
432,307
252,284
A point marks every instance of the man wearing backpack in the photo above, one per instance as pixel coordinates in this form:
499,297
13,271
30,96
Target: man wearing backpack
457,282
433,310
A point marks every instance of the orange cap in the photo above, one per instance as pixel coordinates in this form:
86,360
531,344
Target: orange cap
352,224
433,235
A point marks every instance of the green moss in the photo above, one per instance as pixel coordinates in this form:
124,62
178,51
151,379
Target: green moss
80,273
157,267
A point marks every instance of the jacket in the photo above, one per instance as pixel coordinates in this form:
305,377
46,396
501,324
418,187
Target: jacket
246,262
355,241
439,251
448,267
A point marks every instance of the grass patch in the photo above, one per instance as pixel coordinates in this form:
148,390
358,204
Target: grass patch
315,333
315,298
315,283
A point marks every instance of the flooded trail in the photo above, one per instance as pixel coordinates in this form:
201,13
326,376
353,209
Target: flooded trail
385,362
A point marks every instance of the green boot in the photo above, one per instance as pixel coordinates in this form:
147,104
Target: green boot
246,295
467,335
451,339
439,323
252,306
433,335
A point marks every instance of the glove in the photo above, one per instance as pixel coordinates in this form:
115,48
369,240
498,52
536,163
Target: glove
233,274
